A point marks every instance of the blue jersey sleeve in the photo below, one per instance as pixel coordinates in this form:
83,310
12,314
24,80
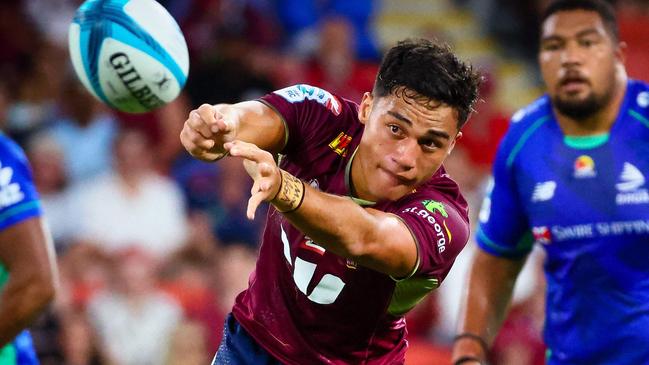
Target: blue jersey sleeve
18,196
504,230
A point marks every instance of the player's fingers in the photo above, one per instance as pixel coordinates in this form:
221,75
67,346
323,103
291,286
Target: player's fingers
253,203
214,120
197,123
266,169
247,150
256,187
220,125
190,137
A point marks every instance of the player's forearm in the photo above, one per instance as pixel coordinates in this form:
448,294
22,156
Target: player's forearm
256,123
20,303
490,285
345,228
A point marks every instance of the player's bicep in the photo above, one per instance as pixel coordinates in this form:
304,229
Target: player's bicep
503,227
26,250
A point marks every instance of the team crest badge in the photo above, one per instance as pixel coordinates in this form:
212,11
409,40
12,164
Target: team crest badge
340,144
584,167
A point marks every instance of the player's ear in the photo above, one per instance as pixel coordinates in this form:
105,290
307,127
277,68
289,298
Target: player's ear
365,108
620,52
457,137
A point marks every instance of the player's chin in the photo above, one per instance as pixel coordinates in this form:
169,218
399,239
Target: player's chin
392,192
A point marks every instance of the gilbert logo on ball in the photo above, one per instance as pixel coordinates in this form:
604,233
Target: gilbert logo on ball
130,54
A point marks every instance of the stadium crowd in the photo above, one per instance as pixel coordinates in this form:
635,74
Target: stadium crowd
153,245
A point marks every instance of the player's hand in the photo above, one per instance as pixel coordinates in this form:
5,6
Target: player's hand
207,129
261,167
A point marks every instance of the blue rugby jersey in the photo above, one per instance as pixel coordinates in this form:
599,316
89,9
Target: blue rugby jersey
18,201
586,201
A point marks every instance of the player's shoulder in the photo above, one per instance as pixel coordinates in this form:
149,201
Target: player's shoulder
440,194
526,122
10,151
527,117
304,93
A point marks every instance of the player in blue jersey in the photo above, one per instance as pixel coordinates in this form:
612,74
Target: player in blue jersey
570,175
27,268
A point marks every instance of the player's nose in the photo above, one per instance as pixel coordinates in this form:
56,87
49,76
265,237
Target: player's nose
406,154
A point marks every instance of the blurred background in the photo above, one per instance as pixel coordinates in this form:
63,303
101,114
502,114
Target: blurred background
154,246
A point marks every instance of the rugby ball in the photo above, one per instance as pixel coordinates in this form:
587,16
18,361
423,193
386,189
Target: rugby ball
130,54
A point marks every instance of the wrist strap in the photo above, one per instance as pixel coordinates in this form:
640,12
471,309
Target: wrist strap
290,195
474,337
465,359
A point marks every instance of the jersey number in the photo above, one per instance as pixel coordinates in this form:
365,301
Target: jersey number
327,289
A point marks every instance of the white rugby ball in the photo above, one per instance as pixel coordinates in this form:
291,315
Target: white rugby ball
130,54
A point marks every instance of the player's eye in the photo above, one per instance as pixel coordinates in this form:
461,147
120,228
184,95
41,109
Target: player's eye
430,145
551,46
395,129
586,42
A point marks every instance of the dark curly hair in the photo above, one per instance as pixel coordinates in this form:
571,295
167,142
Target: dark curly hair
604,9
425,71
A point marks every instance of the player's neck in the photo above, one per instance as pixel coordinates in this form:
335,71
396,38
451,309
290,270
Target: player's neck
598,123
357,178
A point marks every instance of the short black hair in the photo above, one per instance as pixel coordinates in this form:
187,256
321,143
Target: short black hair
423,69
601,7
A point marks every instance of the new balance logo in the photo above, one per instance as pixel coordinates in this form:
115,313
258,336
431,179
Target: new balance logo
10,193
629,187
631,178
544,191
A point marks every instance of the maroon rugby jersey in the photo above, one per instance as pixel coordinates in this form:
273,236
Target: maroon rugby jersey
306,305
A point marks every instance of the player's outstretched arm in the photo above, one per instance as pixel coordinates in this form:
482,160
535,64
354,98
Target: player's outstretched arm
27,253
372,238
210,126
486,299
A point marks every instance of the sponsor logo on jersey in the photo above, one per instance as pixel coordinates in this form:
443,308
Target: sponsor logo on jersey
599,229
434,206
629,188
542,234
429,215
298,93
543,191
340,144
351,264
643,99
584,167
10,192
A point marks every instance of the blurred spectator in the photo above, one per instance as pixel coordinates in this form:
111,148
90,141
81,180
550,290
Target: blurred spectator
36,95
84,130
301,18
233,226
484,131
131,205
187,278
85,270
633,21
134,320
79,342
236,262
188,345
334,67
18,38
48,168
162,128
52,18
